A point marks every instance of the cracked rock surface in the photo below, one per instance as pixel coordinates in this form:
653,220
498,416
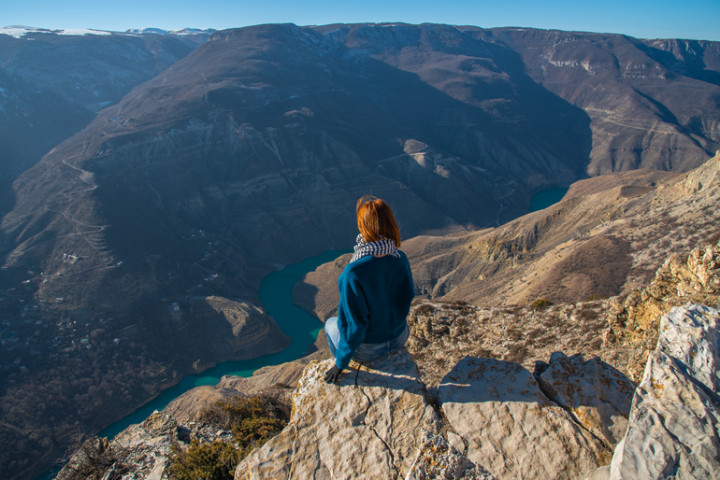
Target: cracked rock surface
512,428
597,395
438,459
343,432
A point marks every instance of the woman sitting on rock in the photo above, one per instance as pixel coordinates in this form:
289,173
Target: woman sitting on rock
376,289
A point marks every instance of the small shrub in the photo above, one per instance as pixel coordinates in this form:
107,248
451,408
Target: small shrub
424,309
541,304
230,414
253,421
254,431
91,461
209,461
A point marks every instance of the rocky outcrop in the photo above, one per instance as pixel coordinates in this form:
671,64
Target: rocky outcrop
246,330
500,421
673,425
490,419
462,402
494,420
443,334
681,279
141,451
339,431
511,427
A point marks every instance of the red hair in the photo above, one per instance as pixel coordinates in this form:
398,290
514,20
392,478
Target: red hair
376,221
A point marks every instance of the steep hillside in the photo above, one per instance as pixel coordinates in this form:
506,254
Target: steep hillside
630,90
606,237
52,83
251,151
589,245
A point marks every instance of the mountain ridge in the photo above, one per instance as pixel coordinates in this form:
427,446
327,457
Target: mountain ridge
52,85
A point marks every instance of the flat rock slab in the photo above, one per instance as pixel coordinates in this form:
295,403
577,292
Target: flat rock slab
596,394
673,425
512,429
343,432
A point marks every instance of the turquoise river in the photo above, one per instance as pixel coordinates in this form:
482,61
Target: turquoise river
303,328
276,297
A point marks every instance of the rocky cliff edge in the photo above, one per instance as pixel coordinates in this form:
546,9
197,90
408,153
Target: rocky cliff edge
441,409
495,419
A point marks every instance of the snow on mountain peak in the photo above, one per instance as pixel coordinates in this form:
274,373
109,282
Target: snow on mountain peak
19,31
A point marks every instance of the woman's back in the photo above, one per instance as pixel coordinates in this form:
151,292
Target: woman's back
376,289
386,286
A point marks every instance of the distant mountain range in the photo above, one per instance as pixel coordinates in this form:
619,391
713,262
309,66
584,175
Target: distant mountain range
19,31
182,167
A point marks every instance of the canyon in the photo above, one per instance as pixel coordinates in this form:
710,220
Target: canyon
590,387
139,242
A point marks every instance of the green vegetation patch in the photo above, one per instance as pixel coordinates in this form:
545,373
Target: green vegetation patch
253,421
541,304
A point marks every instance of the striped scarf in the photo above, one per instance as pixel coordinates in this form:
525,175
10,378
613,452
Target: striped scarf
381,247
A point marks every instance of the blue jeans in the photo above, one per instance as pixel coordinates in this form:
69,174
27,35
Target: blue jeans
366,352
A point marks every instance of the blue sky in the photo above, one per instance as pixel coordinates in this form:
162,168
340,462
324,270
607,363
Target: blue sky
696,19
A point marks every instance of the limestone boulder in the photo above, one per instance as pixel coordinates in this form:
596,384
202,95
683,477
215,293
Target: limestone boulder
341,431
673,425
595,393
512,429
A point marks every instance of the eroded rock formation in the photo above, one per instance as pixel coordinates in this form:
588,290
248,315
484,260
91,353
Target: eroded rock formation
674,423
597,395
141,451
